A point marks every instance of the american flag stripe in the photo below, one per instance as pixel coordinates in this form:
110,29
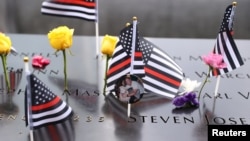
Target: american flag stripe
152,85
52,115
163,63
56,132
169,61
230,53
162,75
112,80
69,10
47,105
47,112
138,66
119,66
52,119
90,4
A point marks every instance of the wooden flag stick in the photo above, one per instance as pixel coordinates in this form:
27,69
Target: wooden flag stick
217,86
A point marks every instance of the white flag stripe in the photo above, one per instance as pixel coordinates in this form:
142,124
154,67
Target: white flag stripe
138,62
140,71
69,7
53,111
158,91
164,69
54,119
69,13
219,46
158,83
231,51
168,58
222,51
116,77
119,57
224,55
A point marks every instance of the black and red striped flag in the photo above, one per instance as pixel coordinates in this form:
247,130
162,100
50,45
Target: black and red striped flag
162,75
125,60
158,72
83,9
42,106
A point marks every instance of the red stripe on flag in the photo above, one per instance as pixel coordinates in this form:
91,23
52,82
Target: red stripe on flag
77,2
161,76
138,54
49,104
215,72
124,63
54,135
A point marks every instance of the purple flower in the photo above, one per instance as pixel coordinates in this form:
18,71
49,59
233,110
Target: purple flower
179,101
186,99
191,97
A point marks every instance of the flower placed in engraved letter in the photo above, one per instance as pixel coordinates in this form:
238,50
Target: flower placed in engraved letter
61,38
214,61
5,48
188,96
40,62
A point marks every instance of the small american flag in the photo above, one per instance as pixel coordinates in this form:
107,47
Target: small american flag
122,62
162,75
83,9
225,44
42,106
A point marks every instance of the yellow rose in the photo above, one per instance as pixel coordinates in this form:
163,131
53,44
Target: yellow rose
5,44
108,45
61,37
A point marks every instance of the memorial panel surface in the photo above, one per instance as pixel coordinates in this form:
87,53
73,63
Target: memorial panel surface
103,117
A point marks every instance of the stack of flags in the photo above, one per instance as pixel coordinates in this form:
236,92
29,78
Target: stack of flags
159,73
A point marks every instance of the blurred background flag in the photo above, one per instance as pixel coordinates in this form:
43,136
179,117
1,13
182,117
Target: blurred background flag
83,9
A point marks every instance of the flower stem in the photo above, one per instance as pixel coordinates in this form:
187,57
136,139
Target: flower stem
204,82
4,61
65,71
105,76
